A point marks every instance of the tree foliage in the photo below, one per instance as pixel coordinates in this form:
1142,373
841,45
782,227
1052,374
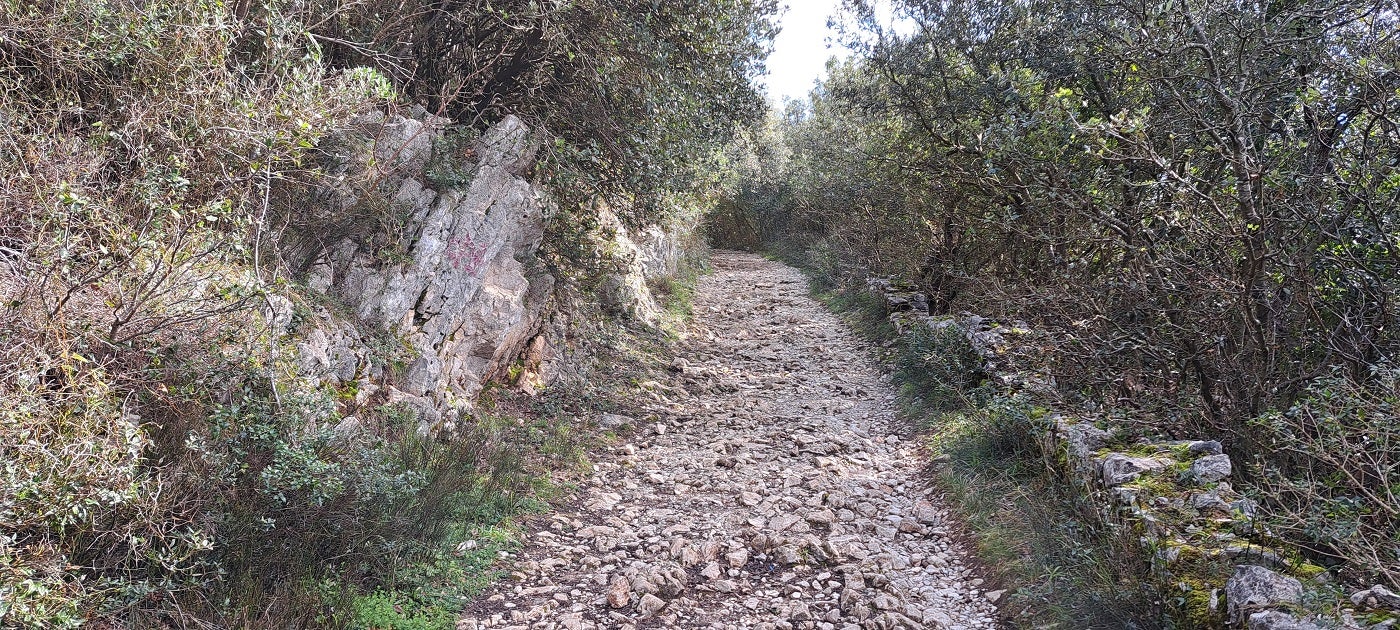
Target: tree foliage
636,92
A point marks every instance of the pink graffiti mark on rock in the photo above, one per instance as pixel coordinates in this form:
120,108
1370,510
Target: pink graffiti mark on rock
465,254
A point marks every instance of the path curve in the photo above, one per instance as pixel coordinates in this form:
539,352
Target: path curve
772,493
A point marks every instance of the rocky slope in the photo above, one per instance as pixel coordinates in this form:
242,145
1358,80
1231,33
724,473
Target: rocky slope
462,297
768,488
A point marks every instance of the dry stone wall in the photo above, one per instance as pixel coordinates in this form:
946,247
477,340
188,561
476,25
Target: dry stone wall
1211,560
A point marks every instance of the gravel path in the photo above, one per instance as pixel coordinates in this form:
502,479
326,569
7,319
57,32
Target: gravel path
772,492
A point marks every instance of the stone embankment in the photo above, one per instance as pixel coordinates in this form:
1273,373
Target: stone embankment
768,487
1210,556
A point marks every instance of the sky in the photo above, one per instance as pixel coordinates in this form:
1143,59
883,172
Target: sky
801,49
805,43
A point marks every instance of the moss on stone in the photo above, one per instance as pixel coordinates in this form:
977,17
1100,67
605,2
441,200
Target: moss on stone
1156,484
1197,612
1308,571
1185,551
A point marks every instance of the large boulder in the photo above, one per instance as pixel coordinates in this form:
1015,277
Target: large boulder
1257,589
1208,469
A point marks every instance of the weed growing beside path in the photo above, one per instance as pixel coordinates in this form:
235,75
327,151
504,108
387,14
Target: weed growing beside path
429,590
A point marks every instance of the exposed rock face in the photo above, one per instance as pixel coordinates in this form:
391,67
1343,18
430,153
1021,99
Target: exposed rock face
1082,438
461,296
641,256
626,293
660,252
1205,447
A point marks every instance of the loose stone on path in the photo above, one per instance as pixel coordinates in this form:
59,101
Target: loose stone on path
773,493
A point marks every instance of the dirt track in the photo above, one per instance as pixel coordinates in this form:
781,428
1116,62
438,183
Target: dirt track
772,493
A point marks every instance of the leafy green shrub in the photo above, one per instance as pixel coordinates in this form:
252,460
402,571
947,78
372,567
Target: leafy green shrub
1330,475
146,144
227,498
84,526
940,367
391,610
305,502
636,92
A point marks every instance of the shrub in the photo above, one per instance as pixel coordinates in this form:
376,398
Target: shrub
1332,477
298,500
941,366
389,610
224,503
88,525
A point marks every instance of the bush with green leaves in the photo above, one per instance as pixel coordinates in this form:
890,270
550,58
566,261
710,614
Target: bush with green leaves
941,368
388,610
226,502
73,494
635,93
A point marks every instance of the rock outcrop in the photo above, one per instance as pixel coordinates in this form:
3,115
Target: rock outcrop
634,263
458,297
463,296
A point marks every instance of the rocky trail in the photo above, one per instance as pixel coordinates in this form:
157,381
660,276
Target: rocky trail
773,491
